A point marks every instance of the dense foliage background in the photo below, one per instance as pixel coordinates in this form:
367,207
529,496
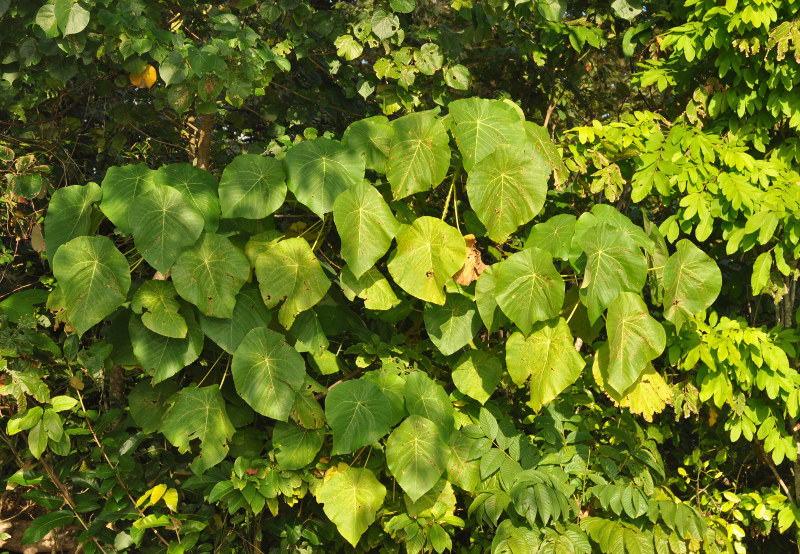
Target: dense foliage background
400,276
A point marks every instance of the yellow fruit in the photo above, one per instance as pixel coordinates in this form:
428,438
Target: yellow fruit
146,78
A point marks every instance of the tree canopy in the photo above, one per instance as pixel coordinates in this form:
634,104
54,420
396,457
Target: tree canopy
404,276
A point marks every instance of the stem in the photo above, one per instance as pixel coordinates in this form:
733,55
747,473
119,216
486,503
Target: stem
204,141
774,471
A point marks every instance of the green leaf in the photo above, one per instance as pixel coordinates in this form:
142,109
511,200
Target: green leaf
528,288
199,189
252,187
428,254
120,187
384,25
424,397
162,357
402,6
603,213
614,265
692,281
548,356
163,225
506,189
365,224
552,10
539,141
290,270
23,303
158,298
486,299
249,312
477,374
461,469
417,455
173,71
359,414
319,170
554,235
634,340
759,280
627,9
199,413
72,18
148,403
295,447
483,125
69,215
267,372
419,154
210,273
453,325
46,19
373,287
37,439
457,77
350,498
42,525
94,277
370,138
24,421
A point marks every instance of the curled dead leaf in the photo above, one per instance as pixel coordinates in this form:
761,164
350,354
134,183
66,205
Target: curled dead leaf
473,266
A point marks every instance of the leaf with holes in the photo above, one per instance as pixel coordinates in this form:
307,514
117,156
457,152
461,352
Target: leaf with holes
428,254
548,356
199,413
267,372
528,288
289,270
95,279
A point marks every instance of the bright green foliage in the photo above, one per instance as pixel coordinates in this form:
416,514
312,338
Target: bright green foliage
482,125
157,302
452,325
528,288
548,357
295,446
358,413
477,374
692,282
95,278
267,372
419,155
319,170
416,455
69,215
120,187
428,254
372,138
198,188
351,497
161,355
199,413
425,398
252,187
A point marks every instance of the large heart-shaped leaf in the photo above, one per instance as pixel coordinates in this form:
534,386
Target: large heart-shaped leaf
528,288
428,254
453,325
199,414
417,455
614,264
289,270
351,497
692,282
365,224
210,273
267,372
548,356
199,190
71,17
507,188
319,170
157,302
295,446
359,414
482,125
120,187
539,141
477,374
554,235
252,187
373,287
419,155
634,339
162,357
370,138
69,215
249,312
95,279
163,225
486,299
424,397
